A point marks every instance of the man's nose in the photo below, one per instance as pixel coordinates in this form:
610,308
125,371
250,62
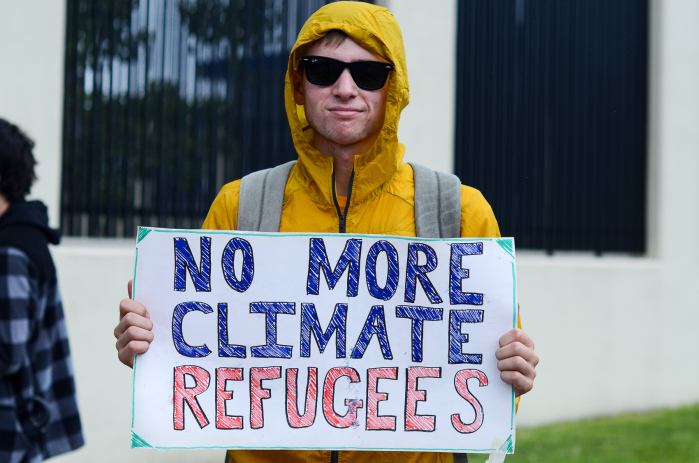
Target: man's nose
345,87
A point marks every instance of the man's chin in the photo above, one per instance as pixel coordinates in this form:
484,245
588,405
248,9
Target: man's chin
345,138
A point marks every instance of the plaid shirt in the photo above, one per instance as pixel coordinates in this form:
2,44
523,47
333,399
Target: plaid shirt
36,374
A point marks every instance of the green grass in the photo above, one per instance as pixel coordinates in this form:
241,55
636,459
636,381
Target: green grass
662,436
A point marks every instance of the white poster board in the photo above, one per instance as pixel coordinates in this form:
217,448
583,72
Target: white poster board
323,341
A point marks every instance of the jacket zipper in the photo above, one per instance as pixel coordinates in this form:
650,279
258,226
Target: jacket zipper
334,454
343,214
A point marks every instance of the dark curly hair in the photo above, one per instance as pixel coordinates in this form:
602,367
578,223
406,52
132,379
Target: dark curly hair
16,162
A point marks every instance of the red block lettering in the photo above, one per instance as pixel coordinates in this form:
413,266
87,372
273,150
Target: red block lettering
460,381
373,419
292,411
257,392
414,422
350,418
224,421
188,395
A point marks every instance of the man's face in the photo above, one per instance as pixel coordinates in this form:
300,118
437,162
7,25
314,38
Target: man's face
342,115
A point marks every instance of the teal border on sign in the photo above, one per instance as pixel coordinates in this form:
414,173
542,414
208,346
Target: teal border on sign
395,449
506,244
138,442
142,233
135,360
358,235
514,325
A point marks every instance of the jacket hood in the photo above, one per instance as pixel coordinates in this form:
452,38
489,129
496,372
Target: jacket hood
375,29
32,214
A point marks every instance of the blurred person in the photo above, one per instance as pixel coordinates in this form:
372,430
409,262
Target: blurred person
38,407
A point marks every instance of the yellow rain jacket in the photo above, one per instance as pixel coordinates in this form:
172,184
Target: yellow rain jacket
382,192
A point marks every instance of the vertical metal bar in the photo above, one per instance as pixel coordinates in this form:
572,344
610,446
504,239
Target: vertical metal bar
547,120
246,82
82,163
640,111
95,126
116,193
195,198
230,149
131,160
161,165
188,199
262,82
109,174
213,150
185,121
174,106
201,116
280,150
122,105
69,117
180,184
145,157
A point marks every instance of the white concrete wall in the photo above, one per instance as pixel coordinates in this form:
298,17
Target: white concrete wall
427,123
32,38
614,333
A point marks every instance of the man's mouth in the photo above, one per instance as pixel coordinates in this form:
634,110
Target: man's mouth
342,111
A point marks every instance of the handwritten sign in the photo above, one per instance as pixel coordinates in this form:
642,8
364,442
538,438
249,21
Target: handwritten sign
301,341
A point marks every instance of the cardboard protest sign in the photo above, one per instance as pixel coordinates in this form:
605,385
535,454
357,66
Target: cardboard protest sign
320,341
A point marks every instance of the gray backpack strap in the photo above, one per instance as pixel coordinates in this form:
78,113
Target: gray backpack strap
261,199
437,203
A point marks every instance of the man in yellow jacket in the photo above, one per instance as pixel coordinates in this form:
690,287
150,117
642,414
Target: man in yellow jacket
346,86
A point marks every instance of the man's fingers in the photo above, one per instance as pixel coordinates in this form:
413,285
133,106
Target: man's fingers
132,341
127,306
522,384
518,365
516,335
134,333
517,349
128,353
131,319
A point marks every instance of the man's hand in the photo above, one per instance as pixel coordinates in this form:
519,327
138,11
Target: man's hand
133,333
517,360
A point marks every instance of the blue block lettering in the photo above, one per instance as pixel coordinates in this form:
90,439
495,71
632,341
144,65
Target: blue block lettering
375,324
456,338
338,323
225,349
319,259
389,290
185,259
271,309
241,285
458,273
177,316
418,315
414,272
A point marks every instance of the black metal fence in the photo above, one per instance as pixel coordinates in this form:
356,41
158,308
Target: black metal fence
167,100
551,119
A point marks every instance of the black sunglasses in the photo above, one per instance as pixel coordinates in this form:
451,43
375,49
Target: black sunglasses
369,75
